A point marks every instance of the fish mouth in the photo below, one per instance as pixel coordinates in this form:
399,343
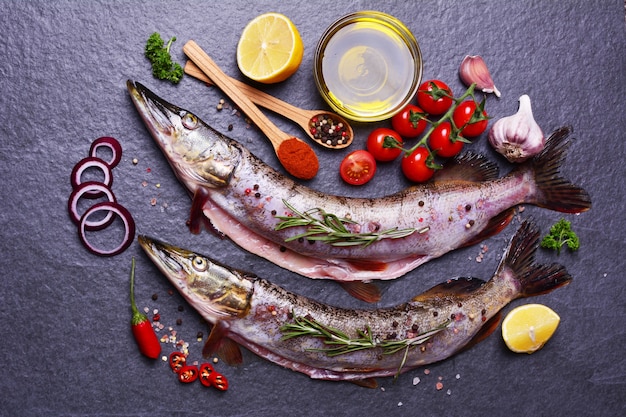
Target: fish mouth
170,260
156,113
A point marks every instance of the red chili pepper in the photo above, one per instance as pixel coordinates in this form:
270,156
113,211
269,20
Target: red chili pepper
177,361
188,373
144,334
206,372
219,381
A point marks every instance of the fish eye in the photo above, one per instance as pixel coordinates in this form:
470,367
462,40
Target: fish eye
199,264
189,120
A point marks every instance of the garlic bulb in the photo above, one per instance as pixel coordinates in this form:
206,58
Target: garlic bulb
474,70
517,137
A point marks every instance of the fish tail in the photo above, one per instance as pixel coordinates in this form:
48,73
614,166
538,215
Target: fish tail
553,191
533,279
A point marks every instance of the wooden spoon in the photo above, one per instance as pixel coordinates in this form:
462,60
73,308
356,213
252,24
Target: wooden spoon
295,155
305,118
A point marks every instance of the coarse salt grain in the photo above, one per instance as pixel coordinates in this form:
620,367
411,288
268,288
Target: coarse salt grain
416,380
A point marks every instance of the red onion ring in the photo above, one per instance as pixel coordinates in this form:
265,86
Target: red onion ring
129,228
78,192
91,162
112,144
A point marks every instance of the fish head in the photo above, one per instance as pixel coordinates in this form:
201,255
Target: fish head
215,291
198,154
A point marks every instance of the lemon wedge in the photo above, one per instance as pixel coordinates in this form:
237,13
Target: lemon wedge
528,327
270,48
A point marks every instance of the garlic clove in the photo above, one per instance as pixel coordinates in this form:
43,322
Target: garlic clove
517,137
474,70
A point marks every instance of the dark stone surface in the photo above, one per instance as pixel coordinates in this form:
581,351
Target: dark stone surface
66,344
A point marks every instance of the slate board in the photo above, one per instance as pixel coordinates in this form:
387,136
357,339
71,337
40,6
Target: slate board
67,348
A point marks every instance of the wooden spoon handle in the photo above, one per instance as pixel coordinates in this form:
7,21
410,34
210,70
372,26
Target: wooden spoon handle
260,98
221,80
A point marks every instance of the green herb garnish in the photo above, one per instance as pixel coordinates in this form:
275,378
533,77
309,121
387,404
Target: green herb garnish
159,56
561,234
340,343
331,229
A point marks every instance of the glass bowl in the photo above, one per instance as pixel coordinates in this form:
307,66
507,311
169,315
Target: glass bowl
368,66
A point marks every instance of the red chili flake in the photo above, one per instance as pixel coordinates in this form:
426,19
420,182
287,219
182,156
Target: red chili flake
156,317
439,386
247,191
148,170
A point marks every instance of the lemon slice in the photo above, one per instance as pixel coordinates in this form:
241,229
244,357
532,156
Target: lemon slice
528,327
270,48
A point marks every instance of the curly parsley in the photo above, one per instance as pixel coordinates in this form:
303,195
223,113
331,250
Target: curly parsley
561,234
158,54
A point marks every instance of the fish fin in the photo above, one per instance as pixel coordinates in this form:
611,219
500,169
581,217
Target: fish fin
519,258
456,286
368,265
468,167
495,225
485,331
197,220
218,343
364,291
230,352
366,383
553,191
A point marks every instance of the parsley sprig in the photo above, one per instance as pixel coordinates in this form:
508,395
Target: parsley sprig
561,234
158,54
331,229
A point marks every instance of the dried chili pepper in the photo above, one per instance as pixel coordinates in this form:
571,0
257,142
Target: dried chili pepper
177,361
142,329
188,374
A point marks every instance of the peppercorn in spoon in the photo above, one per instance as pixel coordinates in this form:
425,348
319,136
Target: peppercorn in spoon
295,155
325,128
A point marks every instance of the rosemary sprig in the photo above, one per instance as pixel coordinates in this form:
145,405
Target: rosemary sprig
339,343
331,229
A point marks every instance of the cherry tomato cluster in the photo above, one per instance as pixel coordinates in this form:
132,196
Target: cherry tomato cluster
187,374
452,122
96,189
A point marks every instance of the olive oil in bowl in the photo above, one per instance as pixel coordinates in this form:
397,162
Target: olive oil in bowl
368,66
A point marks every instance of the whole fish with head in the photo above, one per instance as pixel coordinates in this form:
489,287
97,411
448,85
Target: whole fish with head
349,240
331,343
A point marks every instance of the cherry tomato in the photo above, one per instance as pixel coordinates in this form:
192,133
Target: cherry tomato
409,123
358,167
435,97
417,166
465,116
377,141
443,142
